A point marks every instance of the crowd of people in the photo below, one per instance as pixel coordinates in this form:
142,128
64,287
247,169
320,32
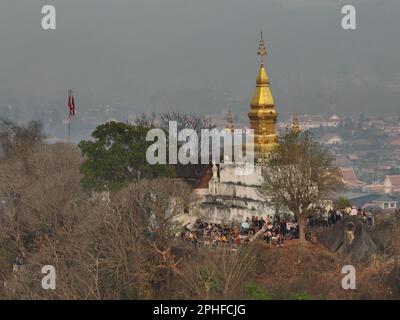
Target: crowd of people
280,229
212,233
275,230
323,218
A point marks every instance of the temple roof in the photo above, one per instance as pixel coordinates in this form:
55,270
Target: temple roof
394,181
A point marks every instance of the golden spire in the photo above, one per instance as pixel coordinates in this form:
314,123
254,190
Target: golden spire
295,124
263,114
229,121
262,94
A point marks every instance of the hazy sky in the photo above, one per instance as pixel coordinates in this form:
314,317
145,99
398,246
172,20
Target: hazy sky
201,55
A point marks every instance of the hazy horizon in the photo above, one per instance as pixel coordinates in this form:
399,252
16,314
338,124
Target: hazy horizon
154,55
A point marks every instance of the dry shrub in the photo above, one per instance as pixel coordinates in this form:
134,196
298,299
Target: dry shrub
296,268
219,273
100,250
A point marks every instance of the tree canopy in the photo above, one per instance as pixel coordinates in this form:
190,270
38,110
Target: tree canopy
116,156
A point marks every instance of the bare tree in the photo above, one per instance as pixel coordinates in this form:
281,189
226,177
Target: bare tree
184,121
146,120
298,174
187,121
141,225
103,250
41,202
13,136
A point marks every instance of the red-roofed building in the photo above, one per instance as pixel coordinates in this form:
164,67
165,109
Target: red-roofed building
395,141
392,129
392,184
374,188
350,179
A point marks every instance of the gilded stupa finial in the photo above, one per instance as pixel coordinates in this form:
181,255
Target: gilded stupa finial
262,51
295,124
229,120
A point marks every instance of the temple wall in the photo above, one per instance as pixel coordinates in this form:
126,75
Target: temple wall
245,175
217,214
234,197
240,191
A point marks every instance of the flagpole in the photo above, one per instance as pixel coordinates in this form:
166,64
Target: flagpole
69,116
69,128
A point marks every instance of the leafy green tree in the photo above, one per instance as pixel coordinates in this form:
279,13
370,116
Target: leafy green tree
342,203
116,156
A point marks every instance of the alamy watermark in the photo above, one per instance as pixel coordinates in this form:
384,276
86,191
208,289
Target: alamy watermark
49,280
49,18
349,280
202,147
348,21
349,18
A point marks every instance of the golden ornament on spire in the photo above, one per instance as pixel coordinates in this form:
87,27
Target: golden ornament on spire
263,114
295,124
229,121
262,51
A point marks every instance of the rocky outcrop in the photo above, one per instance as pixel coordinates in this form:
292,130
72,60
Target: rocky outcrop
351,239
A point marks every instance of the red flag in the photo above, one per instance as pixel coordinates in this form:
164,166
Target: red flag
71,104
